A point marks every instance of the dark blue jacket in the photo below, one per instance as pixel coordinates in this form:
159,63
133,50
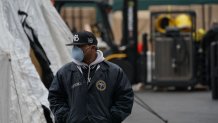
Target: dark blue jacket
107,99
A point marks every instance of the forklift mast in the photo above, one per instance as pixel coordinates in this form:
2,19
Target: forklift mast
129,37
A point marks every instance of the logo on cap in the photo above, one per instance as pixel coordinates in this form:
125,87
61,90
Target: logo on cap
90,40
75,38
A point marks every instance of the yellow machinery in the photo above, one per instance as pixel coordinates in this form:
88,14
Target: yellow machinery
181,21
173,44
162,22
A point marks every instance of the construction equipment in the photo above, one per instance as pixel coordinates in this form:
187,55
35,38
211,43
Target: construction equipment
173,48
214,68
162,22
209,53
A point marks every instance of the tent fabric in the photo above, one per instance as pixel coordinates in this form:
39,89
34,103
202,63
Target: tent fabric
4,87
20,51
59,31
47,75
27,93
24,89
52,33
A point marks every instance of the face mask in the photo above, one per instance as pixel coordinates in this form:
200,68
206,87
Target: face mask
77,53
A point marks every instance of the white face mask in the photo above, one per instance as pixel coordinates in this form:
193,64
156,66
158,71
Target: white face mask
77,53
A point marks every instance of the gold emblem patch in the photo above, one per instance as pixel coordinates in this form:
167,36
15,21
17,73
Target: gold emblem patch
101,85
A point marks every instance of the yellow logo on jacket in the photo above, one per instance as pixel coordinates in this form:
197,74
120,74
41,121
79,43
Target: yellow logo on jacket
101,85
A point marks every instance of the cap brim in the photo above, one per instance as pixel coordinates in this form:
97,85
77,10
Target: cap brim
69,44
74,44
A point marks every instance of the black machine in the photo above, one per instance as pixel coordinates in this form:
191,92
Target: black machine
210,48
125,55
172,37
214,69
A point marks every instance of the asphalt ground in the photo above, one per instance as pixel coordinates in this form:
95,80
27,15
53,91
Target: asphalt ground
175,106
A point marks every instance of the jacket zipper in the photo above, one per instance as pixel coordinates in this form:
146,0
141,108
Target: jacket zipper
89,79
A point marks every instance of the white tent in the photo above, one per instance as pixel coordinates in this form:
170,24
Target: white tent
21,91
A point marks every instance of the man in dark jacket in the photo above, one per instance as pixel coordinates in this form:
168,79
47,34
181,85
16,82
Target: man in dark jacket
90,89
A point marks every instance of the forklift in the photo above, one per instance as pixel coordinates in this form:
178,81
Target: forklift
79,11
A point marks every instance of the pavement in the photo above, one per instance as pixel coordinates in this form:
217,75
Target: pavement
175,106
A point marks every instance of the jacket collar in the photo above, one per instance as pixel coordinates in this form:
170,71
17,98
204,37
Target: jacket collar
103,66
73,66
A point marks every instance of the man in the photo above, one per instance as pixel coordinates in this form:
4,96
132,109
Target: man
90,89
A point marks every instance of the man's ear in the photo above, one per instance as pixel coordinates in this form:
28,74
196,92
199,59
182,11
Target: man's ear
93,46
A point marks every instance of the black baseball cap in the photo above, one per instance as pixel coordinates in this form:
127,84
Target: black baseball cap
82,38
